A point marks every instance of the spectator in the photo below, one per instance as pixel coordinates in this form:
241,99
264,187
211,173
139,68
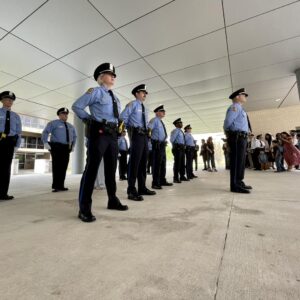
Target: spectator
203,153
291,153
278,154
211,166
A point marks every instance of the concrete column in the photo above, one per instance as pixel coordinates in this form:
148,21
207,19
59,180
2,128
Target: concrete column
79,151
298,80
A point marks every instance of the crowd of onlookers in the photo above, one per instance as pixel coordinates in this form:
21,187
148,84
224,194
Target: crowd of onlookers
280,153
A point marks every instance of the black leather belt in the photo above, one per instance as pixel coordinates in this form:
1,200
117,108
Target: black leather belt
179,146
242,134
139,130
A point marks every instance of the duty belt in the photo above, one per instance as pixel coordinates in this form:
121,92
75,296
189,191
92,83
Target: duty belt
242,134
139,130
157,144
104,127
179,146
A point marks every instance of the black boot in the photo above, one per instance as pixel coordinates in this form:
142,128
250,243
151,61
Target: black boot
115,203
88,218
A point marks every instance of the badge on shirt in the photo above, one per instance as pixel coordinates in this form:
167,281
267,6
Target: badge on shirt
89,91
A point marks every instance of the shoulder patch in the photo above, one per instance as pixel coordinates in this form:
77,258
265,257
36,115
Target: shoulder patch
233,108
89,91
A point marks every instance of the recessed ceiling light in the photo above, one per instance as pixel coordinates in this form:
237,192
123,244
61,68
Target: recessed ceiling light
277,100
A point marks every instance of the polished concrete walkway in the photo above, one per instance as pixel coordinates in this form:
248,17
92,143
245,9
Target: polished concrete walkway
192,241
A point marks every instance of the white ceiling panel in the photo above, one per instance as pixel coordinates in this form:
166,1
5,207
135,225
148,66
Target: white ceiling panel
77,89
173,24
19,58
2,32
263,104
153,85
197,51
263,86
111,48
211,96
293,98
45,113
209,70
233,8
276,94
6,78
272,54
26,108
204,86
62,26
269,28
127,11
133,72
51,99
12,12
161,96
25,89
55,75
267,73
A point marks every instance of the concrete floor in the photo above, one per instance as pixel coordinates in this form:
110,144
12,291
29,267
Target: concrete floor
192,241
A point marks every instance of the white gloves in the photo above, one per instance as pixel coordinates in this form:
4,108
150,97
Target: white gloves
47,146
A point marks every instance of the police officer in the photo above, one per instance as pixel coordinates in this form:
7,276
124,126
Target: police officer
150,158
135,118
189,151
158,139
62,142
178,147
102,142
123,152
10,140
237,128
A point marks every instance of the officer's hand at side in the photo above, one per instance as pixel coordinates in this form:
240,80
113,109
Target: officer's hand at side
16,149
47,146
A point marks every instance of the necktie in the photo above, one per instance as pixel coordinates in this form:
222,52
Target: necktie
67,133
7,123
249,125
126,146
115,105
183,136
143,115
166,135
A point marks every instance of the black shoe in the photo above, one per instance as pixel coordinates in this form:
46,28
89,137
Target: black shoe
135,197
184,179
60,190
166,183
6,197
114,203
240,190
177,181
147,192
123,178
194,176
156,187
86,218
205,169
247,187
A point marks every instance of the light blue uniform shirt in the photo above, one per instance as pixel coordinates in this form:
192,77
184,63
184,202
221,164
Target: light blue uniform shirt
149,145
15,124
157,130
189,140
122,143
236,119
177,136
100,105
132,115
57,129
